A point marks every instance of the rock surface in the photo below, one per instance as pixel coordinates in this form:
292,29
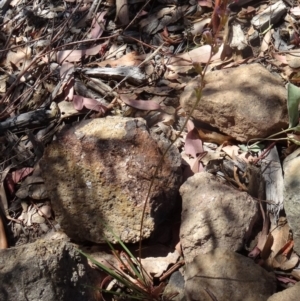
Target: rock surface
99,171
289,294
175,287
291,197
214,215
245,102
48,270
227,276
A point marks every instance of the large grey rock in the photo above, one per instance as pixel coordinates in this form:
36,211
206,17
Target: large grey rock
289,294
214,215
224,275
245,102
175,287
99,171
47,270
291,196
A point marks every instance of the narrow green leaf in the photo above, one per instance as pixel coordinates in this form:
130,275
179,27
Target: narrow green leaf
253,148
293,103
130,255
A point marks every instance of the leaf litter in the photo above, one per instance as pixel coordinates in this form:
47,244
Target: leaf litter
50,49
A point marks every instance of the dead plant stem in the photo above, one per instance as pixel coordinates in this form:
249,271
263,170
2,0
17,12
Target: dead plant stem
33,62
201,86
137,15
198,98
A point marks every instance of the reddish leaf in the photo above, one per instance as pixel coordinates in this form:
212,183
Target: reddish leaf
286,279
287,247
193,144
147,105
280,58
76,55
183,62
92,104
66,71
207,3
98,25
190,125
67,75
254,253
19,174
10,184
69,90
141,13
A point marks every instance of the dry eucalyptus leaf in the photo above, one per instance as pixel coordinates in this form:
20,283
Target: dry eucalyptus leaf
183,62
293,60
296,273
156,266
76,55
31,211
46,211
37,219
141,104
129,59
67,109
3,79
19,57
285,263
281,236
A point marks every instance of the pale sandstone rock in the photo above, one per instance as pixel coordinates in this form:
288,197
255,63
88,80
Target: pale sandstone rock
289,294
228,276
244,102
214,215
99,171
291,197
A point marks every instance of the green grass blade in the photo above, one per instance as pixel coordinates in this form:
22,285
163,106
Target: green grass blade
121,277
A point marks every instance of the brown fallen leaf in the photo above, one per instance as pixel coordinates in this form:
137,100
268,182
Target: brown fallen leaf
183,62
284,263
20,57
265,253
296,273
98,25
147,105
265,43
156,266
92,104
76,55
129,59
67,75
280,58
287,248
207,3
213,137
280,235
